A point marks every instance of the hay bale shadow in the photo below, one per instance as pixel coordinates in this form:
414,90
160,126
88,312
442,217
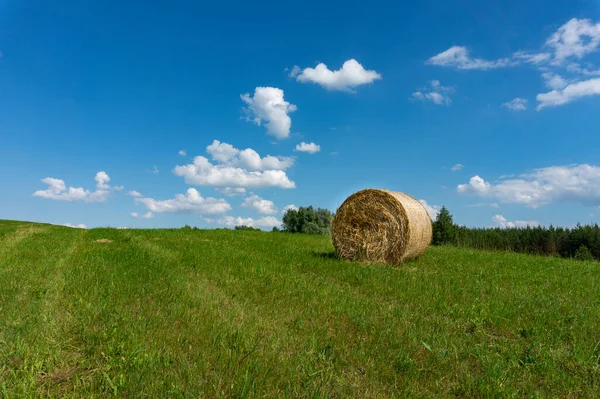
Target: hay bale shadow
326,255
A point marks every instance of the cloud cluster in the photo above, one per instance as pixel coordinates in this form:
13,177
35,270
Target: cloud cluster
236,169
259,205
190,202
572,183
500,221
435,92
570,43
266,222
267,106
248,158
351,75
58,190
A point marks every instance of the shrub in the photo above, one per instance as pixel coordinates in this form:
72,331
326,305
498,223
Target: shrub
583,253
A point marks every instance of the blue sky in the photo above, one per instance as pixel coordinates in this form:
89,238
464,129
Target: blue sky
488,108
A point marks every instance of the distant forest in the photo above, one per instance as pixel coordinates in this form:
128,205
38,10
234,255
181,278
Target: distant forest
581,242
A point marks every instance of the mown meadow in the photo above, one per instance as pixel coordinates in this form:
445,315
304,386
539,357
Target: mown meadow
189,314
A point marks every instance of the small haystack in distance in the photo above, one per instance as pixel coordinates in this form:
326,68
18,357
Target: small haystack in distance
381,226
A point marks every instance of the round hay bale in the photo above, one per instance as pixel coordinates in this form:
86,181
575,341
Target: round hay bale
381,226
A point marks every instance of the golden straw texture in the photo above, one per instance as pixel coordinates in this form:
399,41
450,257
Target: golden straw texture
381,226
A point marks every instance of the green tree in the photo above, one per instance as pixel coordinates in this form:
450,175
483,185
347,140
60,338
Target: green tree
444,229
307,220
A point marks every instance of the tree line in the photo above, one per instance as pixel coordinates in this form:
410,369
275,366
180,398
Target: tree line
580,242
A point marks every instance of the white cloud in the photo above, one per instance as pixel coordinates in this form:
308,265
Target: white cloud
203,173
147,215
190,202
102,180
576,38
572,183
134,193
295,71
347,78
516,104
75,226
435,92
500,221
289,207
458,57
311,148
260,205
578,69
266,222
554,81
532,58
457,167
571,92
248,158
269,107
222,152
231,191
154,169
182,153
236,170
57,190
432,210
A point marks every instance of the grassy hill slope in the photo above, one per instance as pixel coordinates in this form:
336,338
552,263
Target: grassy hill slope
175,313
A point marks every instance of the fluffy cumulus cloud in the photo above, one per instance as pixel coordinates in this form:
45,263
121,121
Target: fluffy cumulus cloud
500,221
435,93
75,226
236,169
432,210
457,167
458,57
58,190
182,153
516,104
268,107
248,158
570,93
190,202
259,205
351,75
147,215
311,148
266,222
289,207
572,183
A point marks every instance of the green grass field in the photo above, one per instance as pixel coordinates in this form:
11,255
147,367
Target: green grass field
176,313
